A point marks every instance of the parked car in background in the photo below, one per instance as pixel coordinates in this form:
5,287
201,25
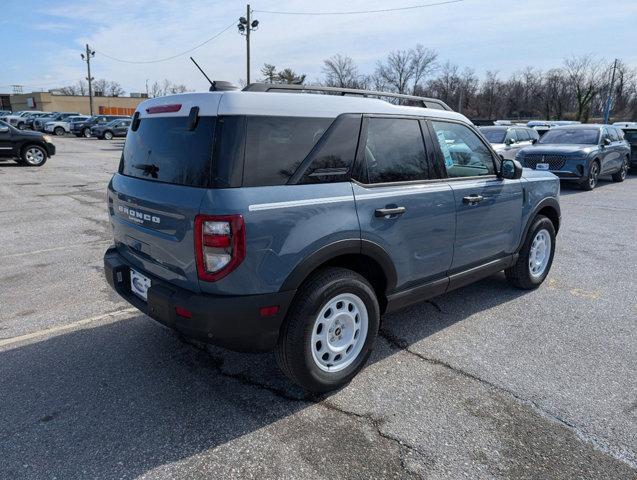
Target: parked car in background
19,119
580,153
4,112
31,119
629,130
83,128
266,234
60,127
39,123
116,128
508,140
26,148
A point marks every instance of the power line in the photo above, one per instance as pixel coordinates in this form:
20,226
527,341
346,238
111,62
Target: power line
171,57
357,12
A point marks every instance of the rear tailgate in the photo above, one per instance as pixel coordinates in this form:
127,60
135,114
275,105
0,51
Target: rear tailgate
164,173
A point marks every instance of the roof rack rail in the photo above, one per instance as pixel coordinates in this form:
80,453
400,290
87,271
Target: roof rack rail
291,88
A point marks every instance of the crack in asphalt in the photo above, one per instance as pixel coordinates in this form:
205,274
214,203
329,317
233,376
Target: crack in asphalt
618,452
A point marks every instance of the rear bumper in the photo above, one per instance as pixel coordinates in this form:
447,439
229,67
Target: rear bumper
233,322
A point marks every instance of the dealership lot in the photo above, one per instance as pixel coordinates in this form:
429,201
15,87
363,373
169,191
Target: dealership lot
484,382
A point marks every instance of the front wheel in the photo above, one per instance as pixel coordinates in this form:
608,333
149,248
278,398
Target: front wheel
329,331
590,182
621,175
86,132
535,257
59,131
34,156
108,135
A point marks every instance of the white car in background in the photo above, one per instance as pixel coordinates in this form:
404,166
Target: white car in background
18,119
60,127
507,141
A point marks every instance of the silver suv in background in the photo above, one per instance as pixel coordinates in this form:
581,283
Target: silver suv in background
60,127
508,140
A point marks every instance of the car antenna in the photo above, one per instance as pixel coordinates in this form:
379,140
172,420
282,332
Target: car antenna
212,84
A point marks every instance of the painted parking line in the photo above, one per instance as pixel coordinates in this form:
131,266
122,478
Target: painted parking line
7,342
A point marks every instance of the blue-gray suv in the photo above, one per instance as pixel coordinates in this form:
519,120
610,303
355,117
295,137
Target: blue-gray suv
580,153
261,220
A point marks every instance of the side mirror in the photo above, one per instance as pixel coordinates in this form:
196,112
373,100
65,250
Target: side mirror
533,141
509,141
606,141
4,129
511,169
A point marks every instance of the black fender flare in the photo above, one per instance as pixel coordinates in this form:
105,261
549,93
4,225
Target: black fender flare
547,202
354,246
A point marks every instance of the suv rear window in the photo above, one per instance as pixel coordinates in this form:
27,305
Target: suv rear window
164,150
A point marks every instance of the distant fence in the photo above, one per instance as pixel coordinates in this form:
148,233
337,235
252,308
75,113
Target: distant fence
116,111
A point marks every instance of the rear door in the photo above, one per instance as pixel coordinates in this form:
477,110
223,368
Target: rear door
488,208
403,204
153,199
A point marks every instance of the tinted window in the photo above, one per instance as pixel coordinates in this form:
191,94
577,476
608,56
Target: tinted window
631,135
495,135
333,156
575,136
164,150
464,154
227,168
612,133
533,134
523,135
511,135
276,146
394,151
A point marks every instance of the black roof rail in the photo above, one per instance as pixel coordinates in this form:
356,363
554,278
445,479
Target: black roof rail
292,88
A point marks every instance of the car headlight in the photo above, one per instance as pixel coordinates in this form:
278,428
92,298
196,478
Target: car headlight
47,138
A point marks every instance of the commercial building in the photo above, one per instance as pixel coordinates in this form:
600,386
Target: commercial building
52,102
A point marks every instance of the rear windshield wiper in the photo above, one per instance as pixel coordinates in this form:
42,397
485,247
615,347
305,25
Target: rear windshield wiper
148,169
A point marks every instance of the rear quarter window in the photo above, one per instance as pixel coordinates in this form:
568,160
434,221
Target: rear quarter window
163,149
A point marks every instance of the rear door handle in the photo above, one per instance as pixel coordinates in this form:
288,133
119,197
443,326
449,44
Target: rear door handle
472,199
388,212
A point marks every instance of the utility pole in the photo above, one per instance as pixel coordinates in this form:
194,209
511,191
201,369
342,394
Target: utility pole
609,100
87,58
245,26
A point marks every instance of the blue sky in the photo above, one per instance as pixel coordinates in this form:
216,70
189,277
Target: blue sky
41,40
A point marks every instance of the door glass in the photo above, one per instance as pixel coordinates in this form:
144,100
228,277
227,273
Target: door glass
394,151
465,155
523,135
511,135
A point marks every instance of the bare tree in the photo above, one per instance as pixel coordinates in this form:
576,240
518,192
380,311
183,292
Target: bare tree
165,87
341,71
423,63
396,71
80,88
584,75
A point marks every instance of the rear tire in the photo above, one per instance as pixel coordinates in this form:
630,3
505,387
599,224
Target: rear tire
86,133
621,175
536,256
590,182
329,331
59,131
107,135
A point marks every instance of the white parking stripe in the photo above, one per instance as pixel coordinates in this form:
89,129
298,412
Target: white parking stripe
69,326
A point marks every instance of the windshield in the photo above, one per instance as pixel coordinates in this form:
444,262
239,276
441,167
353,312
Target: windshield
572,136
631,136
494,135
164,150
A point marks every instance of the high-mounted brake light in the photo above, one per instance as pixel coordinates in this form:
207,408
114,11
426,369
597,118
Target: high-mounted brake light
164,108
220,245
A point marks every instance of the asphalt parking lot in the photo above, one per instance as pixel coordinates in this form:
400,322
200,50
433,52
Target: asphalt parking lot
486,382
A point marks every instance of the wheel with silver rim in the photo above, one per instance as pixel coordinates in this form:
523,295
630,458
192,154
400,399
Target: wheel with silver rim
339,332
539,253
87,133
108,135
59,131
536,255
621,175
329,330
593,176
34,156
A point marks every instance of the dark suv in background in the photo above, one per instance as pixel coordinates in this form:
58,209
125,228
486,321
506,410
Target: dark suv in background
580,153
630,135
83,128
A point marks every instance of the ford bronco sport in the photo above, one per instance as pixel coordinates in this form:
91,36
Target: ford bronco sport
292,221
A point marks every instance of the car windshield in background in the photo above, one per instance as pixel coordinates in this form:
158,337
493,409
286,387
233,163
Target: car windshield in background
573,136
164,150
494,136
631,136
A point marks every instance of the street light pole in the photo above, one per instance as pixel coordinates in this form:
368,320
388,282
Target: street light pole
609,100
87,58
245,26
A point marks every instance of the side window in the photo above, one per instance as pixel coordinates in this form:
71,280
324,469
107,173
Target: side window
276,146
463,152
614,136
511,135
523,135
395,151
333,156
533,134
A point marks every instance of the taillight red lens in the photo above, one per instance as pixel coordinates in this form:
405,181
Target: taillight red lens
164,108
220,245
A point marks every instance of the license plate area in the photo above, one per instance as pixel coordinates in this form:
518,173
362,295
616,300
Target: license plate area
139,284
542,166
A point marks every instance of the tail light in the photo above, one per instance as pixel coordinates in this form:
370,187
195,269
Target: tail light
220,245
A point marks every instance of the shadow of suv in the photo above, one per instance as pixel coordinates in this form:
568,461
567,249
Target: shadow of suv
292,221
